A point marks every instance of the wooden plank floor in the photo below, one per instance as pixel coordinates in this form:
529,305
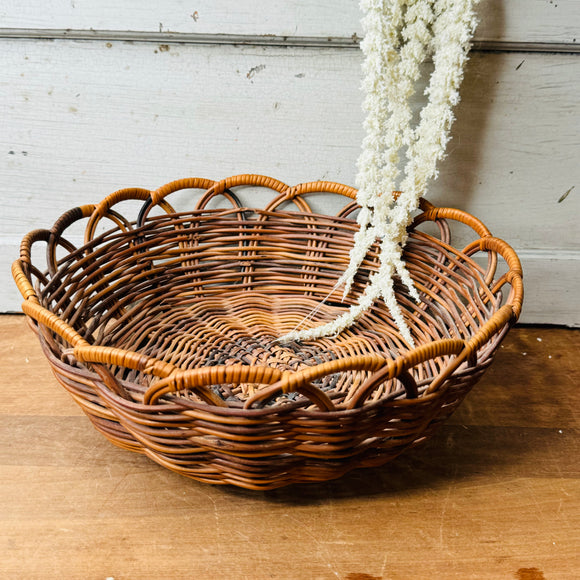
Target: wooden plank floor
496,494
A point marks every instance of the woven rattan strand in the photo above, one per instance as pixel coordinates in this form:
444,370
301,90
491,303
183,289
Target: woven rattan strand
163,329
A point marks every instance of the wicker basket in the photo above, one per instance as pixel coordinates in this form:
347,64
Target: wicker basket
164,328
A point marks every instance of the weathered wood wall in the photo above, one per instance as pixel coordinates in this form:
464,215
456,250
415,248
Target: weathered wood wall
95,96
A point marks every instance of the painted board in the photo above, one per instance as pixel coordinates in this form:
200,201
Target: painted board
81,119
530,21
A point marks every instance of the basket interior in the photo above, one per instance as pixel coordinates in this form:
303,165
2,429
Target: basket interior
218,287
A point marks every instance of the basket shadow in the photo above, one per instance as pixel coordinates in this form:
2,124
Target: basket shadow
454,454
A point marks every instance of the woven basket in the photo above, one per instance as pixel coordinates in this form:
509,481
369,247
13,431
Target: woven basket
163,329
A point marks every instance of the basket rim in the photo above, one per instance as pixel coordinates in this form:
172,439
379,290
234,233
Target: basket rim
172,379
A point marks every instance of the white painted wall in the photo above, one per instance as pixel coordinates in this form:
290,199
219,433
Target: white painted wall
81,118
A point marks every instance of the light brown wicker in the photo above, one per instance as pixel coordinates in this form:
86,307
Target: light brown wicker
163,329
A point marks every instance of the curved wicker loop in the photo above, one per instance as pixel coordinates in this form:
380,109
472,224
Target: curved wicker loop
227,194
23,269
56,239
504,316
409,384
437,214
308,390
433,213
250,179
123,358
298,201
199,379
177,383
514,275
158,196
348,209
22,281
53,322
103,208
28,241
399,368
293,382
322,186
296,192
186,183
70,217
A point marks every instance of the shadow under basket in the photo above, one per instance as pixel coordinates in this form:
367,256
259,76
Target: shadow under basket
164,329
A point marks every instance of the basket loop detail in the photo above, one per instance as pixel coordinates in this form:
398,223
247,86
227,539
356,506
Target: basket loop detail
199,379
433,213
399,368
103,209
505,315
513,277
301,381
310,391
23,283
52,321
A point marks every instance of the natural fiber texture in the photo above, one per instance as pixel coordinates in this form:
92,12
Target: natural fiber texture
399,35
164,330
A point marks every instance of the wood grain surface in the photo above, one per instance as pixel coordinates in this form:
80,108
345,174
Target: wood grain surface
496,494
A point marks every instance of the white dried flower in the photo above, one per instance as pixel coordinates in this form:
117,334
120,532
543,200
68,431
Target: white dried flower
399,35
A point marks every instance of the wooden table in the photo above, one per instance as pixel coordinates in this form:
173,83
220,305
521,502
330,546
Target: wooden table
496,494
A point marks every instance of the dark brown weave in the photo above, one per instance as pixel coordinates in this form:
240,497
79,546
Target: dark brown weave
164,329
